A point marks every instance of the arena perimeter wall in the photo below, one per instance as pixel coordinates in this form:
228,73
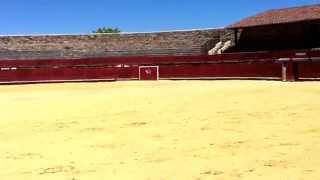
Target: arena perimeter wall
188,42
286,66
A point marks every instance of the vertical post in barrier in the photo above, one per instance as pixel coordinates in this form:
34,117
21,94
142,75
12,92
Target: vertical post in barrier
289,72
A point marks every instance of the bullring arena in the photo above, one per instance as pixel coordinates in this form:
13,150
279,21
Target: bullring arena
196,104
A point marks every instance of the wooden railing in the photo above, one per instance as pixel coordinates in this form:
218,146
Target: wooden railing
259,65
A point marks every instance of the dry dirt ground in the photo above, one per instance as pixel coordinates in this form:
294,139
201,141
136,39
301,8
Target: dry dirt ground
160,130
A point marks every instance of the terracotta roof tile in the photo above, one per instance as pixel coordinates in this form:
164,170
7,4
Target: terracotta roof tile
281,16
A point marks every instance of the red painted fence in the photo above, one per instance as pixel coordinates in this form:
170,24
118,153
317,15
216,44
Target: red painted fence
259,65
309,70
253,70
68,73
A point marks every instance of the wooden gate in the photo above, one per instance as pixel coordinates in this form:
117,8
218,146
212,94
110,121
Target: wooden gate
148,72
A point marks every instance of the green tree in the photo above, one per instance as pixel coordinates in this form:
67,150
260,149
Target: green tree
107,30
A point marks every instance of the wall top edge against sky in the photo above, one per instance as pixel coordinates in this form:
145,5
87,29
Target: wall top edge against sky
123,33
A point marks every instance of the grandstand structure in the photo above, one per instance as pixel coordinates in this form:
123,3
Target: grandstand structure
281,44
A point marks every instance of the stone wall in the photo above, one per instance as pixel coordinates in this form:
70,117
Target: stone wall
99,45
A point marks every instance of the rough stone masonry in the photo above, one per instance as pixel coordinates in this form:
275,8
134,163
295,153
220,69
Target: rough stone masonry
193,42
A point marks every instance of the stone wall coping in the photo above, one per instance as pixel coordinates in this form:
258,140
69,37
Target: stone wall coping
122,33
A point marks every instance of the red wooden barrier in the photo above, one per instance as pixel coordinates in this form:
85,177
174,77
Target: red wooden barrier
309,70
264,70
69,73
259,65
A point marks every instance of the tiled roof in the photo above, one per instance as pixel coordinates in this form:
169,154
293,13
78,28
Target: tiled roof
281,16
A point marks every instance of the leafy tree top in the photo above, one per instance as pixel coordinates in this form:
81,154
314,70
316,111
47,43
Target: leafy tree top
107,30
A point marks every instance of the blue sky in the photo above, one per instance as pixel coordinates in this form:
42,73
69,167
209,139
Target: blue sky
83,16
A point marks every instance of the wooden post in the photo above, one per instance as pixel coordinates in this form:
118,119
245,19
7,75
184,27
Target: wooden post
236,37
289,72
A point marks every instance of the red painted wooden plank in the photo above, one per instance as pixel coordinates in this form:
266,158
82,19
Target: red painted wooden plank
309,70
69,73
221,70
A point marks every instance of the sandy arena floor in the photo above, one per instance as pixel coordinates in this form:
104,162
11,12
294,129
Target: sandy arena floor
160,130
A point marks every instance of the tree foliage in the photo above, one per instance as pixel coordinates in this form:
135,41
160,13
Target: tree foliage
107,30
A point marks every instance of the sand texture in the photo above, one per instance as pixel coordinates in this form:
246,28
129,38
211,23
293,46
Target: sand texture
160,130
